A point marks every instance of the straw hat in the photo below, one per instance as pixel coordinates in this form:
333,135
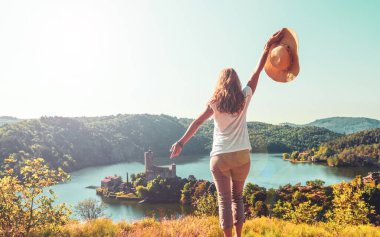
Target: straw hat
282,61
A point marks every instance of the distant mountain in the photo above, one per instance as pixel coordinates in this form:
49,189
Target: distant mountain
346,125
343,125
7,120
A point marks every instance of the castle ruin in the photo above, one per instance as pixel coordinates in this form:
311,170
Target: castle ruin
152,171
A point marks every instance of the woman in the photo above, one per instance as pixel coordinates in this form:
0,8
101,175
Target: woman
230,159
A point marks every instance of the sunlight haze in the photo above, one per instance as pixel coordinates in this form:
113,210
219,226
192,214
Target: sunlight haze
95,58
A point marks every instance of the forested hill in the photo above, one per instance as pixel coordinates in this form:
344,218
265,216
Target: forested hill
276,138
368,137
7,119
358,149
74,143
344,125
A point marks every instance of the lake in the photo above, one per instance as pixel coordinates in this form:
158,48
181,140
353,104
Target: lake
267,170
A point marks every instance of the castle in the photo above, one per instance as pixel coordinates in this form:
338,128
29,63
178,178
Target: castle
152,171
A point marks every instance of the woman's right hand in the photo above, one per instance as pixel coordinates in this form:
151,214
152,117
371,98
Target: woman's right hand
176,150
276,37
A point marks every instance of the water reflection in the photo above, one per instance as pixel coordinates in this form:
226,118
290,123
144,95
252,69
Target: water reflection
133,210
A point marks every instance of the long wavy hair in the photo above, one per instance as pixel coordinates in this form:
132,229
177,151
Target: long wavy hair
228,96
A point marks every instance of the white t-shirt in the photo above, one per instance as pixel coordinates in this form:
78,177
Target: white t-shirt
230,131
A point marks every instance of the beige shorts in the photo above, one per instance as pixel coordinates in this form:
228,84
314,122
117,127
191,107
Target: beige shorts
236,161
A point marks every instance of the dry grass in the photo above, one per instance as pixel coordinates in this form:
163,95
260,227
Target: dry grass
191,226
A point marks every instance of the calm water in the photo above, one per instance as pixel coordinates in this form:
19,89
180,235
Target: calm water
267,170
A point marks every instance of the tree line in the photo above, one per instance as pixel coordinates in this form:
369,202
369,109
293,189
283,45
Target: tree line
355,202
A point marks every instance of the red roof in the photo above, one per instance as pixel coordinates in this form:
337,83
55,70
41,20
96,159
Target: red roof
110,178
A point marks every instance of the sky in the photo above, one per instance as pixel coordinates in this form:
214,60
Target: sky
96,58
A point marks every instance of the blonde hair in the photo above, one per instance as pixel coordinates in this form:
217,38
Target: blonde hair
228,96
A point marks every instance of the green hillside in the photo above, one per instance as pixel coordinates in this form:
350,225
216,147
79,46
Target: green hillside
74,143
276,138
358,149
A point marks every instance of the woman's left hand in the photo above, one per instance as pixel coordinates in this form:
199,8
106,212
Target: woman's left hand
175,150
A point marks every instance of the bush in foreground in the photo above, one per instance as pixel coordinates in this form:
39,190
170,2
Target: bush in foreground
24,207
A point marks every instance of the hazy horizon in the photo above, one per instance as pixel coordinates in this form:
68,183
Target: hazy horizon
96,58
188,117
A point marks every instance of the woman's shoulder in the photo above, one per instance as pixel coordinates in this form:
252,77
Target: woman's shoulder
247,91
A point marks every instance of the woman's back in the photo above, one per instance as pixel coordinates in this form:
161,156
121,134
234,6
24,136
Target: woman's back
230,131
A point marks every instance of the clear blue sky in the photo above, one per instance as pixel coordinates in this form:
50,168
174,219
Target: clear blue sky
93,58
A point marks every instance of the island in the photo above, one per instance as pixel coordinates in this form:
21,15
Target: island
115,187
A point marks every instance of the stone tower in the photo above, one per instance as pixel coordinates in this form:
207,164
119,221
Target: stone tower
173,170
148,156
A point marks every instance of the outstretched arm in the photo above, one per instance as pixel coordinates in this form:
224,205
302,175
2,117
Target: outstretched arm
176,148
256,73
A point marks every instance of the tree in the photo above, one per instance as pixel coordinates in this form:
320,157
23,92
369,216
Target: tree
349,207
186,194
315,183
260,209
294,155
162,189
285,156
304,212
25,207
138,179
254,200
90,209
191,178
133,177
207,205
141,191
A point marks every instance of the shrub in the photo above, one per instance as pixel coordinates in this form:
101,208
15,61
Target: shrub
90,209
207,205
24,206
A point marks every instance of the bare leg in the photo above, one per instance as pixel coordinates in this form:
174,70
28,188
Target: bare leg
238,228
227,232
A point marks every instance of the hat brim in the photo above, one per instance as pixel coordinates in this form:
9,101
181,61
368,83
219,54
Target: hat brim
290,39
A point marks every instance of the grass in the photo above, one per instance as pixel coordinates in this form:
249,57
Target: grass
192,226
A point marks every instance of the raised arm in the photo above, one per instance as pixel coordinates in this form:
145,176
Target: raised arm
176,148
256,73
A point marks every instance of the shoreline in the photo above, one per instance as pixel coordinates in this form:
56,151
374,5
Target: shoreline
299,161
